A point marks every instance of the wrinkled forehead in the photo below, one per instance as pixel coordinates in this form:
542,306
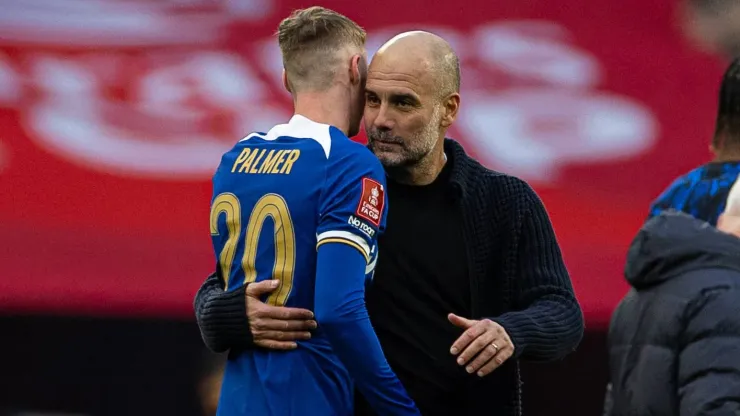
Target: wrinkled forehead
390,74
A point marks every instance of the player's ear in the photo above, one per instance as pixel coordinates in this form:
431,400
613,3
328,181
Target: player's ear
451,106
715,149
286,84
357,70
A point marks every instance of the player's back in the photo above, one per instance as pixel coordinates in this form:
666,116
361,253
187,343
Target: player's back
268,192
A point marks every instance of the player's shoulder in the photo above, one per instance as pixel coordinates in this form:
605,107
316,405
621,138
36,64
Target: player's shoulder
250,138
684,183
299,131
343,147
228,157
709,172
695,175
353,157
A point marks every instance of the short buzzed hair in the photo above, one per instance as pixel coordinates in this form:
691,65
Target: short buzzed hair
309,40
448,70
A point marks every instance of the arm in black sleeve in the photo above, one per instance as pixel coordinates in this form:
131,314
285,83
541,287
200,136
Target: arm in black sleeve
547,323
222,316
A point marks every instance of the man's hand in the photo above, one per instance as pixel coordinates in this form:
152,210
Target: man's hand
484,340
276,327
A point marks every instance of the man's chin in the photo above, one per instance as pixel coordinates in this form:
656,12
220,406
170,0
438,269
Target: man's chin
389,160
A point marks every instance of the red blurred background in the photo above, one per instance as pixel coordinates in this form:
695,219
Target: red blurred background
114,115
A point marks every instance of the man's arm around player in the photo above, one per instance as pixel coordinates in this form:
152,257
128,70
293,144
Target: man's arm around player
239,319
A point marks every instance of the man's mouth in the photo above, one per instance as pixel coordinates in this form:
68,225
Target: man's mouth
387,142
387,146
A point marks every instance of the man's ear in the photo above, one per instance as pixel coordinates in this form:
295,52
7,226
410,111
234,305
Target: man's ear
451,106
286,84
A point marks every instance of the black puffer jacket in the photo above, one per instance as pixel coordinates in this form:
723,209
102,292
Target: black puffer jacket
674,340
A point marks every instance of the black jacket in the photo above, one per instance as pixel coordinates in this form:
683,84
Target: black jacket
674,340
517,278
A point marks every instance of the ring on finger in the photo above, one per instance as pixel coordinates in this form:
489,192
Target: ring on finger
493,344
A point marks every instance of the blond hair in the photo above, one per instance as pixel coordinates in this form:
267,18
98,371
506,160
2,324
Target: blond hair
311,41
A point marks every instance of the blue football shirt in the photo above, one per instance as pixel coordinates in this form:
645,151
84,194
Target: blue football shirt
280,199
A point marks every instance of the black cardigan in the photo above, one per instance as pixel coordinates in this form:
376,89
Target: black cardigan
517,278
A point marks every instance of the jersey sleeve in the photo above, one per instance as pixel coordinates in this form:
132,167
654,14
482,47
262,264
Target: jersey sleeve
352,215
342,316
354,203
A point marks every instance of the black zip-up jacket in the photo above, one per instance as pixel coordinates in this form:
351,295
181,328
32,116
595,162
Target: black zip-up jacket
517,278
674,340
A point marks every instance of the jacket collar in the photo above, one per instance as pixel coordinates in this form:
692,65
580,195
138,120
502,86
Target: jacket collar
462,169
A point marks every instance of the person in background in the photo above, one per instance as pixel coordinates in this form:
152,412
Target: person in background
470,278
713,25
702,192
674,340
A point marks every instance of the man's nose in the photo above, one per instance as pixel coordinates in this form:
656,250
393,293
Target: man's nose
383,121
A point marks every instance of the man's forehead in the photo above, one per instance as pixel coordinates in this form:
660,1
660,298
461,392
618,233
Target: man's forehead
408,63
394,84
399,74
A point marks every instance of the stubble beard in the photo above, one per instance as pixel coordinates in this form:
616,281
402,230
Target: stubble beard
411,152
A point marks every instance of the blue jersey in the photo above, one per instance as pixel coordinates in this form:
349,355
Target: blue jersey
701,193
281,199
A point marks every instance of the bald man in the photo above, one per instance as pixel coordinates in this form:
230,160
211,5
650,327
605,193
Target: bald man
470,278
417,75
674,339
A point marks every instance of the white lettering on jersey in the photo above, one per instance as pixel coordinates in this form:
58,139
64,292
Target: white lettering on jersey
361,225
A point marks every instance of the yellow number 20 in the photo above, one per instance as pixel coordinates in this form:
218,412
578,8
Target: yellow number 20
270,205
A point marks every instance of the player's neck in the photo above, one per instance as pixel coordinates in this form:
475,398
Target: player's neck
726,155
328,107
725,148
421,173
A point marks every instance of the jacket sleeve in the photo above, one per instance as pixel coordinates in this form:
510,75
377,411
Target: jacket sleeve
222,316
547,323
709,360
